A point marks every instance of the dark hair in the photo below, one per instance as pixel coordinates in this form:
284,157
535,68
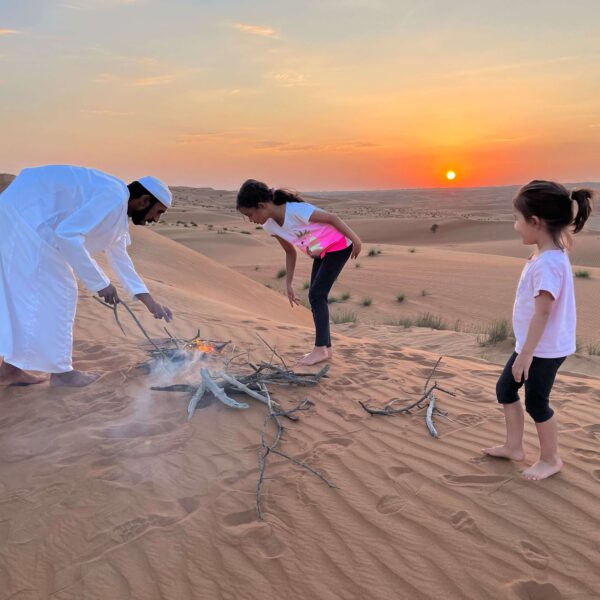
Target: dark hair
136,190
553,203
254,192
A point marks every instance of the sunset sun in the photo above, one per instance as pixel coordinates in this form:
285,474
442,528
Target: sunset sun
450,175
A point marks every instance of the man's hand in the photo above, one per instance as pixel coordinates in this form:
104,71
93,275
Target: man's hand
292,296
356,248
520,368
159,311
109,295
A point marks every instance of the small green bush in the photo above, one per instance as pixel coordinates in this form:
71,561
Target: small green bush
366,301
333,300
306,285
593,349
497,332
345,296
374,252
281,273
401,297
344,316
582,274
406,322
424,293
430,321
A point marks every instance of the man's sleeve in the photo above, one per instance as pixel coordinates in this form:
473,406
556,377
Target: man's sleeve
120,263
104,210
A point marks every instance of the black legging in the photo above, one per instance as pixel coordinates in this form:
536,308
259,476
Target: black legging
324,273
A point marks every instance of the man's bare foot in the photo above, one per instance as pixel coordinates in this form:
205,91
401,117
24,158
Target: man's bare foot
505,452
13,376
73,379
542,469
319,354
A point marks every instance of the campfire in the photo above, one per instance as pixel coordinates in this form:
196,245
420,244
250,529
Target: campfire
198,345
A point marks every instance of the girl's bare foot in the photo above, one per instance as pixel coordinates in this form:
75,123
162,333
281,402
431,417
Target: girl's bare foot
319,354
506,452
542,469
13,376
73,379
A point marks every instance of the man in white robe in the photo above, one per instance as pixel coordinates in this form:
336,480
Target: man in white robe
53,219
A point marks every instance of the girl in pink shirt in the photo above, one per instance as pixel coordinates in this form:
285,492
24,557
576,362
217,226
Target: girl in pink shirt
298,225
544,318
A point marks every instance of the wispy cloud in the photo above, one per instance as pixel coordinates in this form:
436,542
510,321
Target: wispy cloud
9,31
289,79
155,80
260,30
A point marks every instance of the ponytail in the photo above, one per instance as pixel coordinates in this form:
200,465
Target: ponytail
284,196
583,197
253,192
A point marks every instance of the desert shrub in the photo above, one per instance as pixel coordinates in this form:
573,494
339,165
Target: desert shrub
345,296
344,316
404,322
281,273
582,274
401,297
434,228
430,321
497,332
593,349
366,301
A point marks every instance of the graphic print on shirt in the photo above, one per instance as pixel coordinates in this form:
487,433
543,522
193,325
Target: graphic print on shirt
309,243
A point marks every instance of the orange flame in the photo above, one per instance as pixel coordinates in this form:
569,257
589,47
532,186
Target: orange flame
200,346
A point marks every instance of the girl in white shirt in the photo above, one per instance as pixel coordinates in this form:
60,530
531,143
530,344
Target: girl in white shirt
544,318
320,235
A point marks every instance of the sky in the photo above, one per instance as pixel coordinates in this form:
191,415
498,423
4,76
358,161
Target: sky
309,94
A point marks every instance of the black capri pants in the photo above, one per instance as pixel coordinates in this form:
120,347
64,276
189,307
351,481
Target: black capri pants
538,386
324,273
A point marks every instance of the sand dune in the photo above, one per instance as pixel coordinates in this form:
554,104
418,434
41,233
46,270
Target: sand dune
110,492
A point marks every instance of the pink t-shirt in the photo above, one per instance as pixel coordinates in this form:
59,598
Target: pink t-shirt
314,239
550,272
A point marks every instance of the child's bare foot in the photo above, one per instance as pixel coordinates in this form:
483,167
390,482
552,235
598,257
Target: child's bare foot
319,354
542,469
13,376
73,379
506,452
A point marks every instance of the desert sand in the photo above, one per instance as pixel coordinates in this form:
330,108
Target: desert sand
110,492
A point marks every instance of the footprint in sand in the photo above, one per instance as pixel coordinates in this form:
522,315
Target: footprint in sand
568,426
266,541
245,526
533,555
592,430
469,419
388,505
463,521
476,481
587,455
398,471
532,590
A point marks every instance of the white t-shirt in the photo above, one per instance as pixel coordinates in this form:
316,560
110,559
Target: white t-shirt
314,239
551,272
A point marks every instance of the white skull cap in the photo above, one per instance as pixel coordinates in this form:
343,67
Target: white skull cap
158,189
